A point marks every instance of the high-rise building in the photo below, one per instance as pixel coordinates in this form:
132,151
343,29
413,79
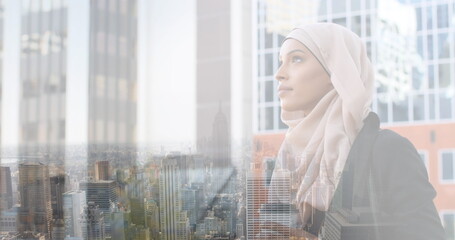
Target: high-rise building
410,44
74,203
35,214
112,83
102,170
120,222
189,204
58,229
92,222
6,189
43,79
57,184
9,220
262,205
152,218
173,220
83,91
137,206
223,80
101,193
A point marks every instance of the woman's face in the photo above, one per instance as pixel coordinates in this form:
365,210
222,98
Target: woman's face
302,79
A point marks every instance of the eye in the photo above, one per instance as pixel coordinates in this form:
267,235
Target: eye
297,59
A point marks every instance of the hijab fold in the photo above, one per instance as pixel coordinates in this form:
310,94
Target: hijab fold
316,145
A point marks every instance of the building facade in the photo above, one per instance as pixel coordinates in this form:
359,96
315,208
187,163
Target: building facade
174,222
35,212
6,189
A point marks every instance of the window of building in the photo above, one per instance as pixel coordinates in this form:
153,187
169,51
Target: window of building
419,18
444,75
429,18
338,6
281,124
356,5
340,21
424,156
400,110
443,46
269,91
431,82
268,39
430,46
443,16
356,25
260,92
419,107
432,106
445,105
447,166
269,64
448,221
269,118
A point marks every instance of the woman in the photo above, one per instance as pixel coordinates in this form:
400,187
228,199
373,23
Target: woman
342,165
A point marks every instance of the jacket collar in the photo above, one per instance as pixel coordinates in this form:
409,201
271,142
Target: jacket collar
356,170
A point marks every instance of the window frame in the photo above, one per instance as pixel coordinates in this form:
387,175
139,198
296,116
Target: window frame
440,165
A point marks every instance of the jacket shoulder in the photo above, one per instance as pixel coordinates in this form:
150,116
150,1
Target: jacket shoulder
399,172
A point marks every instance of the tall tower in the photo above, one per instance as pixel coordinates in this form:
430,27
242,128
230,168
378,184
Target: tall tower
57,184
78,78
43,79
73,205
102,194
223,75
112,86
6,190
35,214
102,170
92,221
257,194
174,222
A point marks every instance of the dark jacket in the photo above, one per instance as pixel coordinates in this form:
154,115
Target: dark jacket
384,192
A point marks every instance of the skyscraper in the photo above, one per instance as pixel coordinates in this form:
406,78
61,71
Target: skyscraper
74,203
57,184
102,170
35,214
84,91
112,83
92,221
260,206
6,190
152,217
223,79
101,194
43,79
173,220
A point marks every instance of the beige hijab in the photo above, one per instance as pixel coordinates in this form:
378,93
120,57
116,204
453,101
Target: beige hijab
316,146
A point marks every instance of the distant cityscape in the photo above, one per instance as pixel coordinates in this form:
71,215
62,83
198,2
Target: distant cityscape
79,172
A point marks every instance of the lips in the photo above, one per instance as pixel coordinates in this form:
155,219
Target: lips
282,90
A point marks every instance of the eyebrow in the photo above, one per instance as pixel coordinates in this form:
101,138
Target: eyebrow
293,51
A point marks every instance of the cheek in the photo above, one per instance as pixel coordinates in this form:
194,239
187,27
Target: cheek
311,86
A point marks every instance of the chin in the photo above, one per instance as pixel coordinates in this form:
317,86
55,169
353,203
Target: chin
287,107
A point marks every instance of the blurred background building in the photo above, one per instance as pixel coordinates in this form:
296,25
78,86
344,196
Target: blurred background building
411,45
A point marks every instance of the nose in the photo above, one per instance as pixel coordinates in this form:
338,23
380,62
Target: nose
280,74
